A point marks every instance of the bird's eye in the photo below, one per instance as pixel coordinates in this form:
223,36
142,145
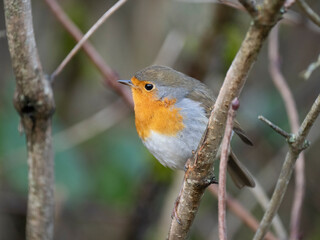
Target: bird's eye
148,86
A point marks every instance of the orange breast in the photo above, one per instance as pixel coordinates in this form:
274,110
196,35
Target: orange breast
155,115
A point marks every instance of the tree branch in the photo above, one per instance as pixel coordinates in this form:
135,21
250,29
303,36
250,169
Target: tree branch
251,7
295,148
260,193
34,102
76,48
283,88
109,75
200,175
239,210
313,16
275,127
225,148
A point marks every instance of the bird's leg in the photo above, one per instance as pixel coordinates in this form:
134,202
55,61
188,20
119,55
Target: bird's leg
175,208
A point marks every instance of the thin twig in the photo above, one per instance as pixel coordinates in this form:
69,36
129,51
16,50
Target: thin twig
313,66
76,48
295,148
260,193
109,75
292,113
268,177
225,146
280,82
299,192
289,17
236,207
228,3
275,127
313,16
90,127
308,122
170,49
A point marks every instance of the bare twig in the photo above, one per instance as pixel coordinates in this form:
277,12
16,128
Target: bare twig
90,127
232,4
76,48
289,17
292,113
295,148
170,49
275,127
260,193
247,203
307,123
235,206
313,66
295,18
200,175
110,76
280,82
314,17
225,147
299,193
34,101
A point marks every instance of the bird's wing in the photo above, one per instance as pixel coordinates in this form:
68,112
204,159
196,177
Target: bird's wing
204,96
207,99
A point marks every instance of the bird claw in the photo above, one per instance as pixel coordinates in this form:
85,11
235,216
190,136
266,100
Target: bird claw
213,180
175,210
187,164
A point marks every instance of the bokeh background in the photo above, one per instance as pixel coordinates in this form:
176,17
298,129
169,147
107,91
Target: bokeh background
108,186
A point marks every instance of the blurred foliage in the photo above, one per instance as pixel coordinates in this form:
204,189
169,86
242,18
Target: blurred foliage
110,186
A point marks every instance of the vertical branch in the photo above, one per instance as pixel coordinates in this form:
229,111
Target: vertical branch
198,176
282,86
297,143
225,148
243,214
34,102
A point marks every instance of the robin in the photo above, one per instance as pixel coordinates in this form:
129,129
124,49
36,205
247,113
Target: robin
171,115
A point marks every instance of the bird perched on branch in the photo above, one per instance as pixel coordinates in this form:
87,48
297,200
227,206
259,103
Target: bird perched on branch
171,115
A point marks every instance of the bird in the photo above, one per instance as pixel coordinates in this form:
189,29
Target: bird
171,114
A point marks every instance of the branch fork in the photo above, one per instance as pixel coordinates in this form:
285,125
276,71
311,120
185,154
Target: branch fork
290,137
295,149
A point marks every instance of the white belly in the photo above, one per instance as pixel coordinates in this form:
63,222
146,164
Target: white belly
174,151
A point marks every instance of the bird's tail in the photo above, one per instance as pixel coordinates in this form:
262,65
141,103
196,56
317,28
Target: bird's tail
238,172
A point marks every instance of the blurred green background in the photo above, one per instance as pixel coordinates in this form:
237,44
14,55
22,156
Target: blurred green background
108,186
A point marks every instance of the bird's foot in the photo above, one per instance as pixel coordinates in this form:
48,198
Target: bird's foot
175,210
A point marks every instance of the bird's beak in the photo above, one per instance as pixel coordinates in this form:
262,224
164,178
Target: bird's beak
126,82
